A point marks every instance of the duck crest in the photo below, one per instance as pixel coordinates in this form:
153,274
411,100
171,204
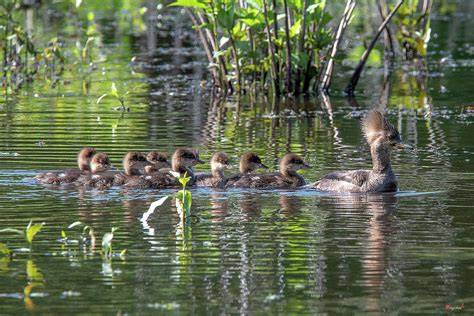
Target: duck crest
375,125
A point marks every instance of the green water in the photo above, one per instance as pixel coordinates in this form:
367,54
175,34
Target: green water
252,252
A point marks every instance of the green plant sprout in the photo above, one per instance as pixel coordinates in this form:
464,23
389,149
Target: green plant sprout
184,199
29,233
107,251
114,93
86,231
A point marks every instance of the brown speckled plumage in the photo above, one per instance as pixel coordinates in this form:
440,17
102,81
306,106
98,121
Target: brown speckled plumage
382,138
216,178
182,161
99,175
287,178
249,162
68,176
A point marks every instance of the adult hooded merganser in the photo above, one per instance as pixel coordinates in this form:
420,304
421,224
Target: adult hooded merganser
157,162
216,179
99,174
382,138
287,178
249,162
68,176
182,161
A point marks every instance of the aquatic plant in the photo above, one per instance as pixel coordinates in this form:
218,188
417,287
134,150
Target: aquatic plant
29,233
413,28
118,96
184,198
283,47
87,231
107,245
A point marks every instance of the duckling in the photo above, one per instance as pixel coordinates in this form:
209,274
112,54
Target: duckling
382,137
99,176
134,164
157,162
216,179
182,161
287,178
68,176
249,162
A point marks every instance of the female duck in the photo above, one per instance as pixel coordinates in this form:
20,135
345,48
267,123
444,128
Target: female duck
134,164
216,179
68,176
287,178
382,137
249,162
182,161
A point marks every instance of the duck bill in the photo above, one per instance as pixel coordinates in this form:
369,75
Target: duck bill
197,161
306,166
261,165
403,146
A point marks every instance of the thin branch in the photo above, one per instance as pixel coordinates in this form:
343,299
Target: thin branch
346,16
358,71
289,89
271,48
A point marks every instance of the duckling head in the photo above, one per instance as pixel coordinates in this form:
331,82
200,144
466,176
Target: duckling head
250,162
133,162
292,163
220,161
84,158
100,162
184,158
157,160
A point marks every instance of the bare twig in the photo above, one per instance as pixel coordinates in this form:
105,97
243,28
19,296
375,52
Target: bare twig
271,48
358,71
346,16
387,35
289,89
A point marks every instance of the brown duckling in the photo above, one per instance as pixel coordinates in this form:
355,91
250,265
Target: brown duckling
99,176
157,162
182,161
216,179
287,178
68,176
134,165
249,162
382,137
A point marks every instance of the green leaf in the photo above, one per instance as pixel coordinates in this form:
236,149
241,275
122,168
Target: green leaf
189,3
63,234
32,230
4,249
113,91
184,180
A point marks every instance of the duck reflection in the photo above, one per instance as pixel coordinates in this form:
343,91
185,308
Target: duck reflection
354,213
